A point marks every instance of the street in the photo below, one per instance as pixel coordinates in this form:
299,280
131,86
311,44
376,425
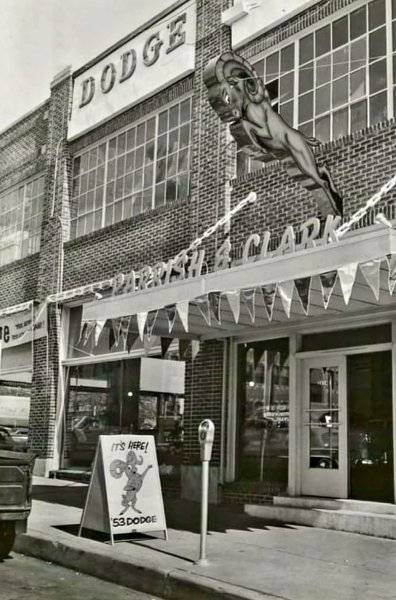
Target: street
25,578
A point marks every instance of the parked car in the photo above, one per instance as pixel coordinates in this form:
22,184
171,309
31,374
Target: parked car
6,441
20,437
9,441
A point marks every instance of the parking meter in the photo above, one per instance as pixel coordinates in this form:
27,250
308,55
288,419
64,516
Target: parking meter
206,437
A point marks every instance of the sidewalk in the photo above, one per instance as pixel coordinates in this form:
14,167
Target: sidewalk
249,558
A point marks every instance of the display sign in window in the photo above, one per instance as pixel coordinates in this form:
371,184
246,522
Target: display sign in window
322,416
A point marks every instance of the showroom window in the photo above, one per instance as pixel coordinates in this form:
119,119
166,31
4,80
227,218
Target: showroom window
20,220
341,77
132,172
263,414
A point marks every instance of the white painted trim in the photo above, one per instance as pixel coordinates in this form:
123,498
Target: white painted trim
324,482
115,356
366,349
223,425
293,487
230,466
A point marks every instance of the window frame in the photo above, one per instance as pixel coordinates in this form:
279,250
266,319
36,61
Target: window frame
105,140
19,243
339,14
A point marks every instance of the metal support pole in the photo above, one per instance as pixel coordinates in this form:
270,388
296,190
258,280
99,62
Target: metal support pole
204,513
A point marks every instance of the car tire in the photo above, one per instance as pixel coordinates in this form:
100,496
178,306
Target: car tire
7,537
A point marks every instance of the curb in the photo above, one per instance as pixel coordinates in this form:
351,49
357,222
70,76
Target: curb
174,584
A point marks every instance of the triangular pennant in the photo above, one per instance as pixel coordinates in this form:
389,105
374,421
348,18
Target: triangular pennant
303,287
111,336
165,343
391,260
327,282
98,330
347,275
195,348
171,316
141,321
89,329
82,332
146,344
234,300
248,298
269,293
123,331
115,326
203,305
151,319
183,347
214,302
182,309
131,338
371,273
285,289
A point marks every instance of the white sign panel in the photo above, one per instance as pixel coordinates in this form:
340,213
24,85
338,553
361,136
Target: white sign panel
125,495
159,375
152,60
261,16
16,329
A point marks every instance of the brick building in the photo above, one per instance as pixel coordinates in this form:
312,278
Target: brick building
288,345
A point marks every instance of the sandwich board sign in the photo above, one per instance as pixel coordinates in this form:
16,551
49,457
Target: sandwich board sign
124,494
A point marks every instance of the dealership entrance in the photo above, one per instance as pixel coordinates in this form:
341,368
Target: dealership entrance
346,426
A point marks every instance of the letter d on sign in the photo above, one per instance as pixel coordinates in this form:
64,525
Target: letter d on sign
128,61
88,91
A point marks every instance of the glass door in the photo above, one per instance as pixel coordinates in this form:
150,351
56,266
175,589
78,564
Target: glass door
324,427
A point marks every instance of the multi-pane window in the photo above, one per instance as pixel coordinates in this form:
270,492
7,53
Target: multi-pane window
277,69
343,74
20,220
136,170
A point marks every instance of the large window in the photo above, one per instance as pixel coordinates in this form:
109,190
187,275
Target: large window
335,79
134,171
20,220
263,408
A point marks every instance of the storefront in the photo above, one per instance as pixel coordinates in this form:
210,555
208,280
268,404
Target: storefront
119,385
308,359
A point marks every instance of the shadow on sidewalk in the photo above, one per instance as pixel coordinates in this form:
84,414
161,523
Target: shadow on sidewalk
182,515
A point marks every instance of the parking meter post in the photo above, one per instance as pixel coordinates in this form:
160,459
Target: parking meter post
204,512
205,437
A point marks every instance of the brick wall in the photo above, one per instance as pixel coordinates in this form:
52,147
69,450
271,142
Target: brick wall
21,158
204,387
360,164
55,228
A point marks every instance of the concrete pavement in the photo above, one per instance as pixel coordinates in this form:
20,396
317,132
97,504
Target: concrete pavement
25,578
249,558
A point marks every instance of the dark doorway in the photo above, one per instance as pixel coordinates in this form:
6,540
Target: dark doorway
370,432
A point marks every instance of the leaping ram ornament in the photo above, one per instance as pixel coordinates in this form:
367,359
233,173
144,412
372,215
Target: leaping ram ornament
240,98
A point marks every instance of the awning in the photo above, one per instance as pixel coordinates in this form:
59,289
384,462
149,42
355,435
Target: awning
307,278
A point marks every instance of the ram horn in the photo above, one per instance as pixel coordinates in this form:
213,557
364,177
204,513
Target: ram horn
230,65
